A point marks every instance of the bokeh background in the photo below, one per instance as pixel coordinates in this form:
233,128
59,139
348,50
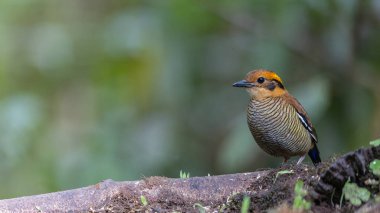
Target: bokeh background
94,89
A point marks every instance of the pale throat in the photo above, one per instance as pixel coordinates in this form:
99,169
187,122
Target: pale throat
263,93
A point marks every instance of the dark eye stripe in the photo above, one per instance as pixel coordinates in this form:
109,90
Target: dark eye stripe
279,84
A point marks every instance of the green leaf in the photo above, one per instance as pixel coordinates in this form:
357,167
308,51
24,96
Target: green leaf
356,201
375,142
200,208
183,175
299,202
306,205
364,194
298,188
375,167
355,194
245,204
282,173
143,200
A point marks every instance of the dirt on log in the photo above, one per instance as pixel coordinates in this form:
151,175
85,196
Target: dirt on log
267,190
162,194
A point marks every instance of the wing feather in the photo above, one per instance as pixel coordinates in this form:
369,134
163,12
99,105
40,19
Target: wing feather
303,117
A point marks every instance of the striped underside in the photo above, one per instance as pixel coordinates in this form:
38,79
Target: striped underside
277,129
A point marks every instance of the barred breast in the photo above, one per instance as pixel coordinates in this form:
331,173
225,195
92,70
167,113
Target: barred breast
277,129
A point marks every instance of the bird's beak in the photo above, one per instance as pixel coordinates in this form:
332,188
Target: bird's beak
243,83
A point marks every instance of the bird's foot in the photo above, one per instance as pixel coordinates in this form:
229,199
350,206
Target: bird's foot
300,160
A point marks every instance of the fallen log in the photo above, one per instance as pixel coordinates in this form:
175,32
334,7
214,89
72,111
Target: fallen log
161,194
267,189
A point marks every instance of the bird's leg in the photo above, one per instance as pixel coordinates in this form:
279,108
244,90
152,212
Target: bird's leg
301,159
285,160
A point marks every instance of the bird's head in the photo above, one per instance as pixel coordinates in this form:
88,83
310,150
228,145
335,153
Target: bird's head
262,84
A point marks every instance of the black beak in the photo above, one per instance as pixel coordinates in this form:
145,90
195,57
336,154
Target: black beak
243,83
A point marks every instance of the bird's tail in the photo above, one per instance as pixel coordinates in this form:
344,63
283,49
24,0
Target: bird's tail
314,155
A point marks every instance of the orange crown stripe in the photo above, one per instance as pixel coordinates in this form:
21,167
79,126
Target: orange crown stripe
273,76
268,75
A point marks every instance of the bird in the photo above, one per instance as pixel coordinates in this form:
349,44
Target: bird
277,121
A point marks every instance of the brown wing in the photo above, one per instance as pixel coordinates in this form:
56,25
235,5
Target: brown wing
303,117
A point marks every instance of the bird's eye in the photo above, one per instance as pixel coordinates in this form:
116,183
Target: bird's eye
260,80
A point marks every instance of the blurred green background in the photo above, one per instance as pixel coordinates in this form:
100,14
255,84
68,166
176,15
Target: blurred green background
94,89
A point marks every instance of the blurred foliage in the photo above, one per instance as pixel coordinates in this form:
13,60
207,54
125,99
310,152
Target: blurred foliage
91,90
355,194
299,202
375,142
374,166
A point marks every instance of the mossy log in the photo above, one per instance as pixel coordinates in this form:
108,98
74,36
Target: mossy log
161,194
266,188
